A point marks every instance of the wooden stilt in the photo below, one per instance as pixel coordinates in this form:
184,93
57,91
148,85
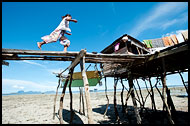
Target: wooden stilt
122,103
59,81
83,109
163,78
71,97
137,96
147,91
183,82
128,95
133,98
152,95
87,94
61,100
80,101
170,102
115,103
106,98
140,93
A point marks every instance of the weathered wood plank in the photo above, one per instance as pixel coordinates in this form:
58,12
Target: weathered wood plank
167,53
61,53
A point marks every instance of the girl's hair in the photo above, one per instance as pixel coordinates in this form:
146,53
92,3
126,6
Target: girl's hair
66,16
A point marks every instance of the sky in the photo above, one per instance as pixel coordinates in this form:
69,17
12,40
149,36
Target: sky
99,24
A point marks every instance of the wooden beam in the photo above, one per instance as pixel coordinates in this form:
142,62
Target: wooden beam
61,53
76,61
5,63
87,94
88,60
37,52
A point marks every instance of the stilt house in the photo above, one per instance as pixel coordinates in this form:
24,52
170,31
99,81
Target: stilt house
123,45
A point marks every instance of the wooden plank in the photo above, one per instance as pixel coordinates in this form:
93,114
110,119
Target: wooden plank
37,52
61,53
88,60
87,94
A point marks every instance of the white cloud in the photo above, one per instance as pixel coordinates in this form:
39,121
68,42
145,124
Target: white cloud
34,63
18,87
31,62
161,16
174,32
12,84
113,8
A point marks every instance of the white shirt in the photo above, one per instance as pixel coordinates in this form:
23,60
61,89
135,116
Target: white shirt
64,25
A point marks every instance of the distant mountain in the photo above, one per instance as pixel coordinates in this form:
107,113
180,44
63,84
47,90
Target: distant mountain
29,92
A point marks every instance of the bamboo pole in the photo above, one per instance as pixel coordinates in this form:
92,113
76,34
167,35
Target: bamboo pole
133,98
87,94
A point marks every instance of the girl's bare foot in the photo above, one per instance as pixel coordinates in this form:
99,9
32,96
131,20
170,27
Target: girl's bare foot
39,45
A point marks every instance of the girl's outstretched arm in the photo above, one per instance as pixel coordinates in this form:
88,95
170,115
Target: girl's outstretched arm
67,33
73,20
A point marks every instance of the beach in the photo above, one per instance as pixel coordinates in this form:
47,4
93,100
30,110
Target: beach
38,108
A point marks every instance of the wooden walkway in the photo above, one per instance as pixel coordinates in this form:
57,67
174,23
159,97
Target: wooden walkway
171,60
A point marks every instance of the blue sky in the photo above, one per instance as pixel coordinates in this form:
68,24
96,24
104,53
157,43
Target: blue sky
99,24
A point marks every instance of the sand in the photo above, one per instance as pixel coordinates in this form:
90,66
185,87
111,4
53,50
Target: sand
38,109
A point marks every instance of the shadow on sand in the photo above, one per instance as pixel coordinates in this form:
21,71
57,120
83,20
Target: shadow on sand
148,117
76,118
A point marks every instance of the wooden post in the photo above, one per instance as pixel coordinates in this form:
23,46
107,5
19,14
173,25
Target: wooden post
122,103
140,92
183,81
61,100
152,95
71,97
81,98
170,102
83,109
106,98
87,94
59,81
115,103
80,101
133,97
128,95
163,77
